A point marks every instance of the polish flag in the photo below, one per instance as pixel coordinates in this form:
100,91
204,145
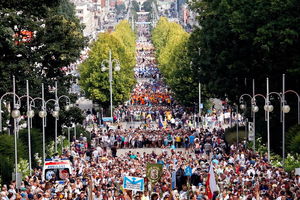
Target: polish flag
211,185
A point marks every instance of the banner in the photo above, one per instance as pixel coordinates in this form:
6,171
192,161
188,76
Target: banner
188,171
251,133
173,180
154,172
133,183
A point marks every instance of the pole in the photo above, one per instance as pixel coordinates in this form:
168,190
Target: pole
28,127
110,84
253,113
15,133
268,121
237,125
75,130
56,104
69,138
199,117
44,122
283,119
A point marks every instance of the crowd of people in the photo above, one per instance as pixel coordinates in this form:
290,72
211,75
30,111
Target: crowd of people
99,168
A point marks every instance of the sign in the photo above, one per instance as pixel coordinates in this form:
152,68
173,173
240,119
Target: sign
251,133
188,171
107,119
201,105
133,183
297,171
154,172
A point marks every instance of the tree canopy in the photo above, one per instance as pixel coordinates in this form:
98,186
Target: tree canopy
171,43
37,40
121,43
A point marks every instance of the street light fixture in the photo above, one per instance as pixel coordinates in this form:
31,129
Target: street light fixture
255,108
110,68
243,107
286,108
15,113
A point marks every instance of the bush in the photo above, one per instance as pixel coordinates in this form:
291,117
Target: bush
36,142
7,156
293,139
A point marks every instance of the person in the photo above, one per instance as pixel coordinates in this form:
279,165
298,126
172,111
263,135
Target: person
114,150
154,196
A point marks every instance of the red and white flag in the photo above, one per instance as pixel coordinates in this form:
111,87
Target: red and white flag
211,185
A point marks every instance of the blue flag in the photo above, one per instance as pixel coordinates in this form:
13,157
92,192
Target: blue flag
173,180
188,171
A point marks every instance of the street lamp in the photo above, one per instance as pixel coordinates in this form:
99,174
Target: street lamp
284,110
254,108
42,114
110,68
15,115
30,115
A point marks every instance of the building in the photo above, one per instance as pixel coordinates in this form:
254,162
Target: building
88,12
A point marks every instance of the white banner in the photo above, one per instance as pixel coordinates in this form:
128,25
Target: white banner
133,183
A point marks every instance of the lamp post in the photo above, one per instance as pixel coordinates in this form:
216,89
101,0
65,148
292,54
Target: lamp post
243,107
237,125
42,114
55,112
268,108
110,68
30,115
284,109
199,117
15,115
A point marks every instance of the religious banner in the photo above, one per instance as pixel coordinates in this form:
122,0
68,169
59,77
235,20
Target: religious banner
154,172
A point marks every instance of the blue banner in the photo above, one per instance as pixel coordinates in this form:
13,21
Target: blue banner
173,180
133,183
188,171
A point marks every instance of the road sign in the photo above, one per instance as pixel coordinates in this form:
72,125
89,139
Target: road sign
251,134
133,183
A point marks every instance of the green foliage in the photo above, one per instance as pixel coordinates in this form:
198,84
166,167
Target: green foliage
7,155
74,115
293,139
95,82
147,5
36,141
120,8
260,147
170,41
291,162
135,6
23,167
240,40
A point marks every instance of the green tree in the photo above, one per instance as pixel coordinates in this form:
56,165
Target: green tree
56,41
147,5
241,40
293,139
95,82
171,43
74,115
7,156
